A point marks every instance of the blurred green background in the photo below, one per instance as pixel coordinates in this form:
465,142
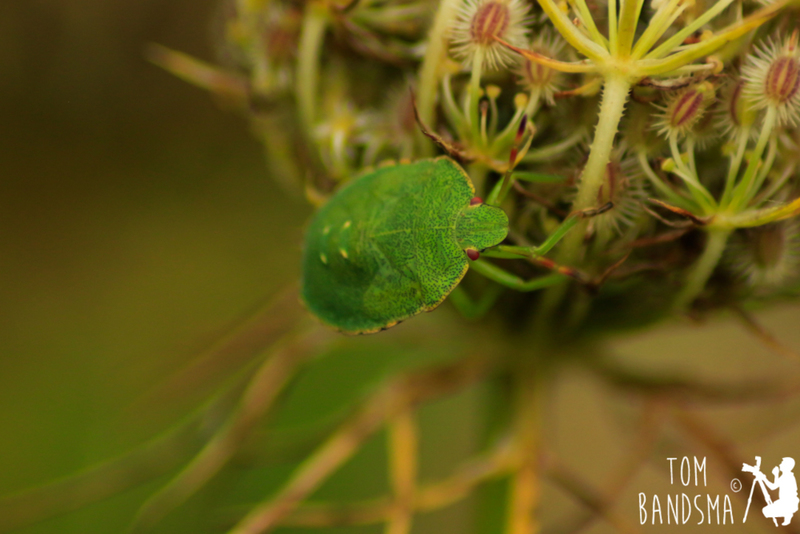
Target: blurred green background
138,223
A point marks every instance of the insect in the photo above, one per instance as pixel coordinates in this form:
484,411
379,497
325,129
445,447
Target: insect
394,243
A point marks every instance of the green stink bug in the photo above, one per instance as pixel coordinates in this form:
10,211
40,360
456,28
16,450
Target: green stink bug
393,243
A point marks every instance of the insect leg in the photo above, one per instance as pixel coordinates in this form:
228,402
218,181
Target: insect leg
475,309
554,238
503,277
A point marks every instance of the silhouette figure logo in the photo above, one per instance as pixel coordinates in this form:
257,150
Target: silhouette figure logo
786,484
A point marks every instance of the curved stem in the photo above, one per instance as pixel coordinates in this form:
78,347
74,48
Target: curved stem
701,271
735,165
689,176
308,63
777,184
534,100
659,184
746,189
670,44
260,395
768,163
429,71
544,153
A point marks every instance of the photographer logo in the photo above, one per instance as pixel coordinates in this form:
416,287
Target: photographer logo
784,481
777,498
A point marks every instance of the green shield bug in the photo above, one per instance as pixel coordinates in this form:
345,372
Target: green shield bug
394,243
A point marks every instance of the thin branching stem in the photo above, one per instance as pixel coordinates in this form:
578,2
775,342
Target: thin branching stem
256,401
523,517
398,395
403,470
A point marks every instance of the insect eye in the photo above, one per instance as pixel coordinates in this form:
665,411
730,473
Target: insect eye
475,200
473,254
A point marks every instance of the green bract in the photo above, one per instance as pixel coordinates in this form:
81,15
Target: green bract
392,243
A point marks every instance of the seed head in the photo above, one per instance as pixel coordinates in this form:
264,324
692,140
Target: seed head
684,111
736,112
767,256
479,22
534,75
773,78
623,186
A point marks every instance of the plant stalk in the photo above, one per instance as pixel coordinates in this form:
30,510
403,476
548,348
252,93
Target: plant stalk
526,481
431,65
308,63
702,269
615,95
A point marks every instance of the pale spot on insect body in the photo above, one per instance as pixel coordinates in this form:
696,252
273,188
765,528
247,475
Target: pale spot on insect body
323,258
343,252
346,225
326,230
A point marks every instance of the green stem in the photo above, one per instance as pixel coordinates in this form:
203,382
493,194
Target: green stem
505,139
615,95
429,71
768,163
613,45
474,95
673,42
683,170
777,184
663,18
533,102
587,20
312,36
626,28
451,110
747,187
547,152
701,271
736,164
670,195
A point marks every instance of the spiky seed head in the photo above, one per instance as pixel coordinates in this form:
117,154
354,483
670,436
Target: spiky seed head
489,21
767,256
736,111
477,25
684,110
772,73
534,75
783,79
623,186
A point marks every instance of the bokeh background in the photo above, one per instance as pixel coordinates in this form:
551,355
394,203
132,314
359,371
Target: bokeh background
138,223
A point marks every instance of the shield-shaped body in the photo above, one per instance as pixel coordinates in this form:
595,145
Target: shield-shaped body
392,243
